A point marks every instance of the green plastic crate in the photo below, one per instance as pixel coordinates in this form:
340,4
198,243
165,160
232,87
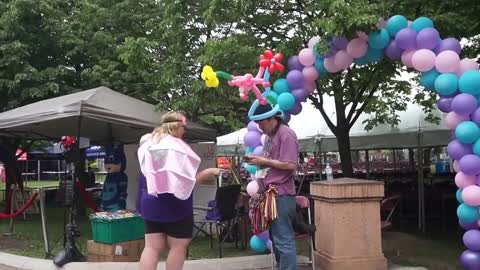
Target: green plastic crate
111,231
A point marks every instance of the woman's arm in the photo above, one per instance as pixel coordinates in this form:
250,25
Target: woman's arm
207,174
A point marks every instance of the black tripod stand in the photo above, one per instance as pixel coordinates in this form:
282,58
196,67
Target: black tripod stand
70,252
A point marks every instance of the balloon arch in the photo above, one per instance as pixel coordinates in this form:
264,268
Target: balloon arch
417,45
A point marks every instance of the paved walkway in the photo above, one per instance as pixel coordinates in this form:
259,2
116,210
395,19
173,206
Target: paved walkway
260,262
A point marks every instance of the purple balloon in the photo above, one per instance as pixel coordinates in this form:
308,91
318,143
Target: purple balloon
464,104
294,63
468,226
295,79
471,239
406,39
340,42
470,260
456,150
393,51
428,38
444,104
476,116
296,109
300,94
252,139
470,164
449,44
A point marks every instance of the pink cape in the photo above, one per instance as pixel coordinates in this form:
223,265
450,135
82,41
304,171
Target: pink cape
169,167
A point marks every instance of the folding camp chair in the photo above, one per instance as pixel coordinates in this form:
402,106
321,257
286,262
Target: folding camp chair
303,203
224,214
387,208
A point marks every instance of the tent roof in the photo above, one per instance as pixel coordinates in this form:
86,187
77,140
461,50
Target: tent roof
104,115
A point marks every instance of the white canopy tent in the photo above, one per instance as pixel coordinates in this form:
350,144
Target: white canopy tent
314,135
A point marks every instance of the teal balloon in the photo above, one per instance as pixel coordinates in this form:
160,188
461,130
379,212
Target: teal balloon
459,195
476,147
467,132
374,55
379,39
467,213
446,84
361,61
251,168
428,78
320,66
421,23
469,82
395,24
281,86
286,101
257,244
249,150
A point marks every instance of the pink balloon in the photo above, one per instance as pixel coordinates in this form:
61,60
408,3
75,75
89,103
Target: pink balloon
462,180
465,65
407,57
447,61
314,40
252,188
423,60
362,35
456,166
471,195
310,86
357,47
342,59
453,119
306,57
310,73
330,66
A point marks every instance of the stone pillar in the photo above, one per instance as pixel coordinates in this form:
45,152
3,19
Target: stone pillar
347,217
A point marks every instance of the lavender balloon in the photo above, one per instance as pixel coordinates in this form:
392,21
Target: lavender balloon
456,150
444,104
476,116
470,164
252,139
428,38
471,239
300,94
295,79
449,44
252,126
470,260
464,104
294,63
393,51
340,42
406,39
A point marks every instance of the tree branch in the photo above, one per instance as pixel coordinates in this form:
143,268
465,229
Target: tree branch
362,108
318,103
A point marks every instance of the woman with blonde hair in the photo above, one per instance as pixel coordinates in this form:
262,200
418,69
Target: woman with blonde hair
169,171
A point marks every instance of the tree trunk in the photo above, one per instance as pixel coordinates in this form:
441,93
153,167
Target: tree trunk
343,140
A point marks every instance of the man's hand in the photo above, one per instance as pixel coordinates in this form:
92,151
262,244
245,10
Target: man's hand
257,160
